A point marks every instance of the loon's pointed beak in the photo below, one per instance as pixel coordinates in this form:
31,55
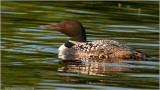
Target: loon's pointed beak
51,27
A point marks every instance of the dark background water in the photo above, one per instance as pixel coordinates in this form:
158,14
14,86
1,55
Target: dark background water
29,53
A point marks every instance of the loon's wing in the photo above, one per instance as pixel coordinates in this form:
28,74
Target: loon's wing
107,49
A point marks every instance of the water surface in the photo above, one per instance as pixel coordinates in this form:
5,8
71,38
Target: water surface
30,57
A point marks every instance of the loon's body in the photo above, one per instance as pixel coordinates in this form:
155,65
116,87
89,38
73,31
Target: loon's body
78,48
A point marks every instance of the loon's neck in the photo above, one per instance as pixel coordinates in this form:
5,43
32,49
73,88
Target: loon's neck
76,39
71,43
80,38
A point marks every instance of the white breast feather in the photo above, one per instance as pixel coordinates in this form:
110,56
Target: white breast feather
62,51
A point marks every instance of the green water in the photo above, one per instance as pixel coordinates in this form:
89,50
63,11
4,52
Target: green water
29,54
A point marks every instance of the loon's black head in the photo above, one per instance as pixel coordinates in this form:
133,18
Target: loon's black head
71,28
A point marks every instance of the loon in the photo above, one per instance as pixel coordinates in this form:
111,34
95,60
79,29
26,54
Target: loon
78,48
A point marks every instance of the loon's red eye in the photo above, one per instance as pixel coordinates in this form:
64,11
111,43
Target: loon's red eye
67,26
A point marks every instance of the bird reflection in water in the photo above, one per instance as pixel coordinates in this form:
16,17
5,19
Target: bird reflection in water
98,67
